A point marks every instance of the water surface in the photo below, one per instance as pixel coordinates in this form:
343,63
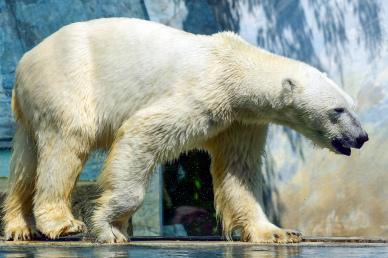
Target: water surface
139,251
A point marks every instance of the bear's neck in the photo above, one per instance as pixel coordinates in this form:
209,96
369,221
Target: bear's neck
253,79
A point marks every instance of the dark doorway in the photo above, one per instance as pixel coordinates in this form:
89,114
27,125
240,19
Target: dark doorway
188,195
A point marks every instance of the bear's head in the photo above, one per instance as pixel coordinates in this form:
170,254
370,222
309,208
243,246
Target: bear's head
320,110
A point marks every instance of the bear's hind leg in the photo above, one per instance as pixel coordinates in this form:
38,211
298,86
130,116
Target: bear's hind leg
61,159
236,167
18,217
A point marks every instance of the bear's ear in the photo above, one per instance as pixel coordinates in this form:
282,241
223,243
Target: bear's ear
288,85
288,88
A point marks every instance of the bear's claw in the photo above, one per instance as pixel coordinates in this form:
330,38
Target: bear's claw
69,227
284,236
274,234
293,236
75,228
21,234
111,236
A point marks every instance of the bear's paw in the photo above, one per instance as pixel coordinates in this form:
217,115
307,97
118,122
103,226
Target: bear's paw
55,229
272,234
111,236
20,233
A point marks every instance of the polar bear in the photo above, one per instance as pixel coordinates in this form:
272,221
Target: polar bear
147,93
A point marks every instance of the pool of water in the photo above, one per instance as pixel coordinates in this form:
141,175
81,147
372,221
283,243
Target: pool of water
139,251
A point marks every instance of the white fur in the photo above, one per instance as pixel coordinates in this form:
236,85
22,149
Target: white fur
148,92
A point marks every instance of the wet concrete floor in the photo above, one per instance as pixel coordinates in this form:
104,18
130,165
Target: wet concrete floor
143,247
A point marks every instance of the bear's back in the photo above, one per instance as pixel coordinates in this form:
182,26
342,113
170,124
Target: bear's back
110,68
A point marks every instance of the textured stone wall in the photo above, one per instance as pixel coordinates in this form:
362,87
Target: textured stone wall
307,188
24,23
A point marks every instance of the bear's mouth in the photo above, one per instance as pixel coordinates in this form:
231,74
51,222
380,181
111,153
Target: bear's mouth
338,146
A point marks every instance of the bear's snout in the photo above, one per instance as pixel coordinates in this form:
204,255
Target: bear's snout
361,140
340,147
343,145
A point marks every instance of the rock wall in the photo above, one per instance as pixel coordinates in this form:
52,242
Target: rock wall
307,188
24,23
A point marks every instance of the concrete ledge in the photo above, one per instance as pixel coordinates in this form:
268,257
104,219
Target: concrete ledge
199,241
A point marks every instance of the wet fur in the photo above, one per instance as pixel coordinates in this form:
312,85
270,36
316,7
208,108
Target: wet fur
145,100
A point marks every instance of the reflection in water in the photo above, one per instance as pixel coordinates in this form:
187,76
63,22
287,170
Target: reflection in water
245,251
261,251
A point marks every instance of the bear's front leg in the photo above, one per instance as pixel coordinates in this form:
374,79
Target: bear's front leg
236,167
149,138
124,181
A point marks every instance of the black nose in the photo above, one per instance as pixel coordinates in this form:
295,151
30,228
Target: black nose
361,140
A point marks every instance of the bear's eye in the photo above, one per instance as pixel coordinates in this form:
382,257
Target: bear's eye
339,110
335,114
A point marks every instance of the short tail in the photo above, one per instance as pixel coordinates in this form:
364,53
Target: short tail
15,106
